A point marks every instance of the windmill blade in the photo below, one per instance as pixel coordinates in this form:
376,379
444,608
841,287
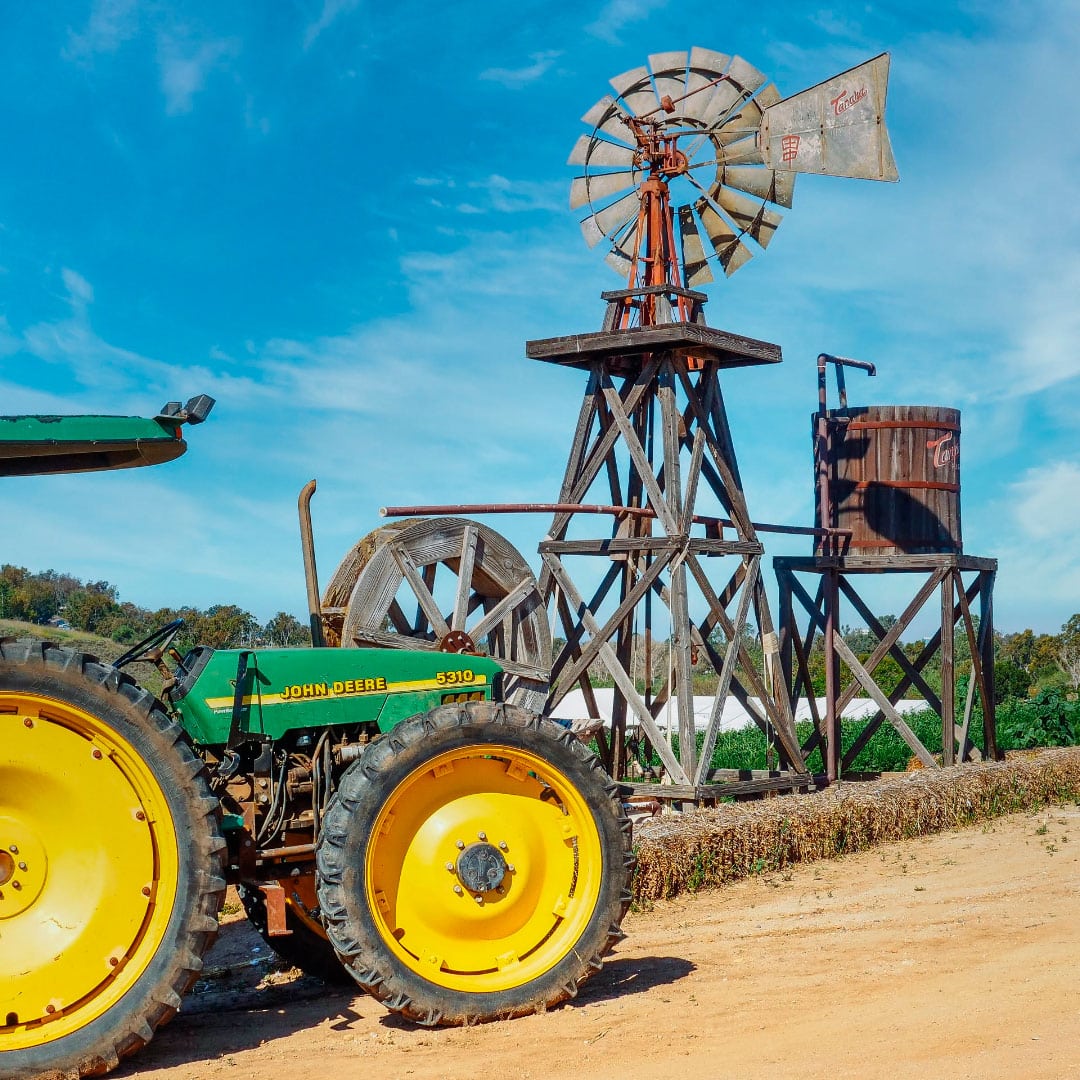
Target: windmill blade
606,116
620,262
767,96
622,255
775,187
744,152
753,218
743,119
726,99
706,67
746,75
616,216
598,186
594,152
695,266
836,127
730,250
669,77
636,91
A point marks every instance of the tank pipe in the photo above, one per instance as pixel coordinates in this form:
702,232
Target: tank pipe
823,441
589,508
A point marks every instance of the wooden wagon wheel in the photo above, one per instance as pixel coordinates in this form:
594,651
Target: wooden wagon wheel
446,584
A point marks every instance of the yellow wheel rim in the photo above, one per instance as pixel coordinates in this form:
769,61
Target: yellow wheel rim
90,878
526,826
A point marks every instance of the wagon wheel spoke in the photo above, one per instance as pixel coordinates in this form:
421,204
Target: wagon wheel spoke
399,619
421,586
503,607
378,639
465,574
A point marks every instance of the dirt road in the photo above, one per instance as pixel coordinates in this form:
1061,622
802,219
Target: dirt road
949,956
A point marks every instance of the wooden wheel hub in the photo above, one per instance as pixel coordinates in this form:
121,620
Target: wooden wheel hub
457,641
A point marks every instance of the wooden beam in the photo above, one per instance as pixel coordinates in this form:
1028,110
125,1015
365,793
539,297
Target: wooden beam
618,673
727,670
884,704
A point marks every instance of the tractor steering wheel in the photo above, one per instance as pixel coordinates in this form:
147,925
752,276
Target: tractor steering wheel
152,648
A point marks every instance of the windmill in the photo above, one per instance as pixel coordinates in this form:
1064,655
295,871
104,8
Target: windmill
684,168
709,129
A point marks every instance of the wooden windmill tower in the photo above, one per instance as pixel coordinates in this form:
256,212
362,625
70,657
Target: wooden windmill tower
696,147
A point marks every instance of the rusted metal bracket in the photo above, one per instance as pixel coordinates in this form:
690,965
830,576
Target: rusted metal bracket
275,909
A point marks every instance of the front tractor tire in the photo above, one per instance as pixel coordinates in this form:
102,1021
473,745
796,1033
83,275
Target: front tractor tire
111,864
474,864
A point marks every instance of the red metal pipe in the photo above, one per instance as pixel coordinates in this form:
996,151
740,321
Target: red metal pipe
590,508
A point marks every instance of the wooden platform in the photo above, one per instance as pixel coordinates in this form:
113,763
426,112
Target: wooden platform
882,564
690,339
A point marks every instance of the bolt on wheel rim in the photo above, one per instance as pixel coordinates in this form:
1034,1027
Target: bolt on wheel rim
92,880
474,915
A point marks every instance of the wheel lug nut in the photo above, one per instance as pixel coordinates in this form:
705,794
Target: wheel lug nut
22,866
14,849
461,845
482,835
503,846
478,899
16,884
450,867
510,867
458,890
500,890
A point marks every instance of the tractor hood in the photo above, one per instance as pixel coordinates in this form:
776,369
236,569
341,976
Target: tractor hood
289,689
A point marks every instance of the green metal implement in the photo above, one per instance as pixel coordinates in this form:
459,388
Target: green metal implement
38,445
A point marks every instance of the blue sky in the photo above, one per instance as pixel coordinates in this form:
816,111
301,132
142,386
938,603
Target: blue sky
343,220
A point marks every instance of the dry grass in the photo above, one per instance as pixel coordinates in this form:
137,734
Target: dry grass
705,848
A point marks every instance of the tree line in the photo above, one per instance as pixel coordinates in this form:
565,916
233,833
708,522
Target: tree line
1026,664
95,606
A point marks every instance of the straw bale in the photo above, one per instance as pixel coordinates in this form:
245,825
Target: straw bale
705,848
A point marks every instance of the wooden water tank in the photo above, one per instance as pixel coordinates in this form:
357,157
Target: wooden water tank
894,479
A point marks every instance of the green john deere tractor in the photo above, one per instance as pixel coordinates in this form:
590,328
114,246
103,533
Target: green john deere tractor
386,818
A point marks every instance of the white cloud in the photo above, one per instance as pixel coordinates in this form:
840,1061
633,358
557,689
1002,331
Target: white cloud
184,66
79,289
113,377
515,196
331,11
1047,502
517,78
9,343
111,23
1047,347
618,14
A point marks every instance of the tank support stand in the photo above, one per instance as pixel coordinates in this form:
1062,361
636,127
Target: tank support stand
836,581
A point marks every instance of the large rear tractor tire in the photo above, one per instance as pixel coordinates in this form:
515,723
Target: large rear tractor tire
474,864
111,864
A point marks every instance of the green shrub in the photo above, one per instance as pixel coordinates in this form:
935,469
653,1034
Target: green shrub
1048,719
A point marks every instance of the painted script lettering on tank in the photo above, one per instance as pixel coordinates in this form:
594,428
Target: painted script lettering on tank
944,453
